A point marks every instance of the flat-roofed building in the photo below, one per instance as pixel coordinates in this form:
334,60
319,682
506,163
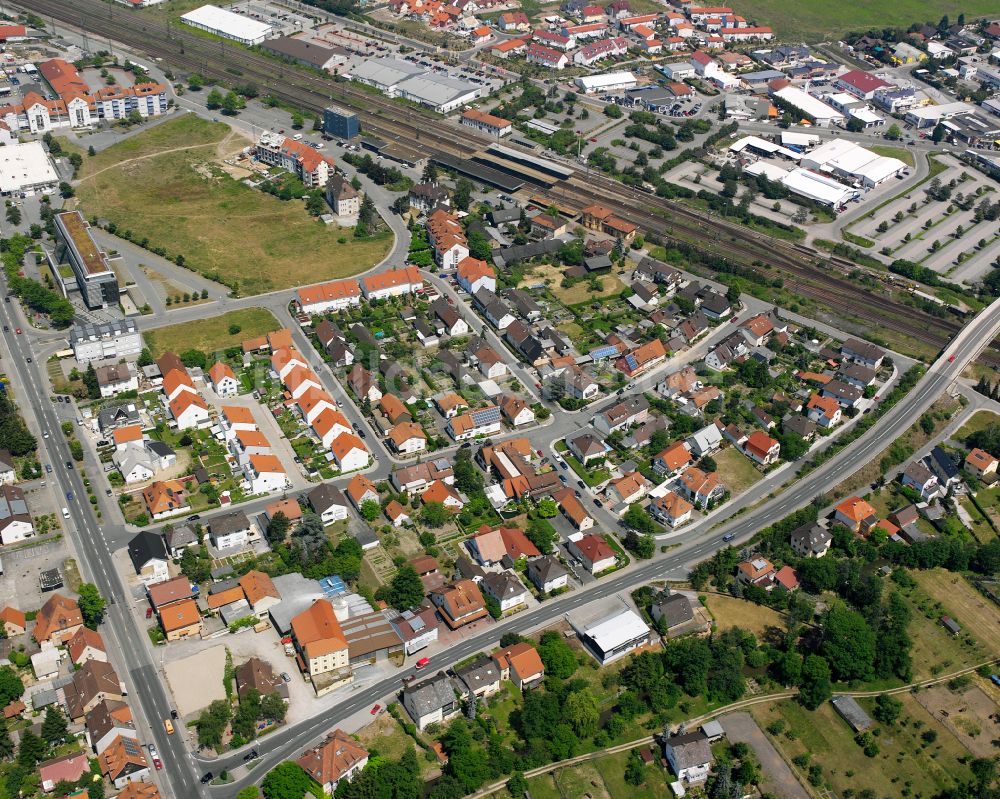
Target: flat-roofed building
227,24
95,279
25,166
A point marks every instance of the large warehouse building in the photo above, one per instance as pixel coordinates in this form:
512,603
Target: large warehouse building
25,167
814,109
849,160
224,23
397,78
806,183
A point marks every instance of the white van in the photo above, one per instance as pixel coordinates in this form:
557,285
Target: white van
297,137
65,513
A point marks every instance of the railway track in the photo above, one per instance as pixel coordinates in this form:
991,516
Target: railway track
815,274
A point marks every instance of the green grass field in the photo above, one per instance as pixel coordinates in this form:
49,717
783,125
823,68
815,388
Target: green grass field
888,151
182,201
904,762
736,471
816,22
212,334
979,421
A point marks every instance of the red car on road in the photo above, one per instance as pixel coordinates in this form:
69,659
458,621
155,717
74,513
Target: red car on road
423,662
155,757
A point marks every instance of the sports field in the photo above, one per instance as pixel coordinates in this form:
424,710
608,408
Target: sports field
814,22
166,185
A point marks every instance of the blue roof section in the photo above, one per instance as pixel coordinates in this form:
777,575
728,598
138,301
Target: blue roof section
486,416
332,585
609,351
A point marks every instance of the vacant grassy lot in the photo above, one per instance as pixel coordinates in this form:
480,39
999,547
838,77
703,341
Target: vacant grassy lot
730,612
816,22
979,421
160,187
977,614
901,153
904,762
578,292
212,334
736,470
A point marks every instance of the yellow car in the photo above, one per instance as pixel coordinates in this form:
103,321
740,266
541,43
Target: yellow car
168,725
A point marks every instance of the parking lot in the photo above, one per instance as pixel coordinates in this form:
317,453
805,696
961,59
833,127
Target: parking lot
283,20
22,566
914,221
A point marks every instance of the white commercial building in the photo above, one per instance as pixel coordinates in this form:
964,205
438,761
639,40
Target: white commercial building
614,636
608,82
849,160
929,115
763,147
25,167
106,341
791,138
397,78
805,183
810,107
224,23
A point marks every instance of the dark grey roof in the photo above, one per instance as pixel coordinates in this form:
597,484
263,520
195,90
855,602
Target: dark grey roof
852,712
325,496
229,523
503,585
716,303
180,537
676,609
468,569
364,535
160,449
799,425
95,332
479,673
117,416
146,546
523,252
503,216
304,51
690,750
811,537
545,569
434,694
597,262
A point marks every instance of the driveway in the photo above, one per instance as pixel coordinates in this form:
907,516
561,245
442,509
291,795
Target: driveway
778,776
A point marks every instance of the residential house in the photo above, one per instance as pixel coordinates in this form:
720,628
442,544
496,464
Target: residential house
124,761
16,523
148,553
361,490
862,352
14,621
433,701
474,423
761,448
106,721
57,620
328,502
338,758
521,664
846,395
671,509
944,467
856,515
920,479
689,756
642,359
700,487
440,491
229,530
257,675
505,545
674,459
414,479
825,411
165,498
516,411
68,768
631,411
573,509
95,681
86,644
671,612
260,592
704,441
349,453
180,619
319,640
547,574
460,603
593,552
810,541
506,589
223,380
417,629
407,438
587,447
981,464
363,384
397,514
116,379
474,274
8,473
481,677
758,572
629,488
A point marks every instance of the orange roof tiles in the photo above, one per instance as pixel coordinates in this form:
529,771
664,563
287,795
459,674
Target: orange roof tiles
226,597
856,509
257,585
178,615
344,444
392,278
266,464
317,630
237,414
329,292
123,435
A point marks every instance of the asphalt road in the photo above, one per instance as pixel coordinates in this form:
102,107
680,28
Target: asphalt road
127,646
